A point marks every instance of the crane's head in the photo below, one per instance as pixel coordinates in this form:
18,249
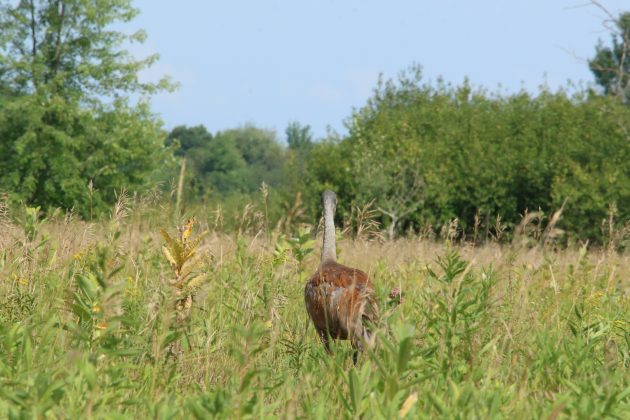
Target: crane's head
329,200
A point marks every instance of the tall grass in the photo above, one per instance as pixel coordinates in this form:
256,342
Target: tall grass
496,331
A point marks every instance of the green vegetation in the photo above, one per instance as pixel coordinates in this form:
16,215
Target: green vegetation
425,155
69,135
230,162
93,324
611,65
510,214
430,154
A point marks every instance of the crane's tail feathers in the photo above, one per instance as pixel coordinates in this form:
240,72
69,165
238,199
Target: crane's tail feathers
368,324
369,338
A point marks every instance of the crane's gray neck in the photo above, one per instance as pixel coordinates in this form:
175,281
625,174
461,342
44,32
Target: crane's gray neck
329,253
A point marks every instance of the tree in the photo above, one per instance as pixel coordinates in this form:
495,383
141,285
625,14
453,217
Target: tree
215,163
400,197
611,64
189,138
427,154
236,160
67,47
262,152
66,118
386,158
299,138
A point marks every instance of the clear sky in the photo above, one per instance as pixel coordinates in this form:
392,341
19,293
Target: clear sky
269,62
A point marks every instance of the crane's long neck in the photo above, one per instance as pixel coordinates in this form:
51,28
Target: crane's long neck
329,253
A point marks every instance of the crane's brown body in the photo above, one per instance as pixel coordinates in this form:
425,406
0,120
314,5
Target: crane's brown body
339,300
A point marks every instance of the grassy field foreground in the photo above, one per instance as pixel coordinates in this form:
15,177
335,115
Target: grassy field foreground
90,327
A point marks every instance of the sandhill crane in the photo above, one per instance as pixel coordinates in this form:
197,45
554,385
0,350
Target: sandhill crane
340,300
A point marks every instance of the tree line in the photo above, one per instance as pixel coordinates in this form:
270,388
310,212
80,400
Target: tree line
423,154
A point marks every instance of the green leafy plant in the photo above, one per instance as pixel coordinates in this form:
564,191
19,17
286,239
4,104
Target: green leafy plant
461,301
96,300
301,245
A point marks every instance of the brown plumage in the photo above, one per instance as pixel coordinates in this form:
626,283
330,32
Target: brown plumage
339,300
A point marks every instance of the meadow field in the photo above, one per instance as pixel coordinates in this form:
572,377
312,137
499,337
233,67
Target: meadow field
154,249
94,324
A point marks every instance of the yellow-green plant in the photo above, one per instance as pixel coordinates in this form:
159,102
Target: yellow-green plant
181,253
96,300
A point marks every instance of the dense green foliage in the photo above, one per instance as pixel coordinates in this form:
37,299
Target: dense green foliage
232,161
422,154
460,152
69,136
428,154
87,329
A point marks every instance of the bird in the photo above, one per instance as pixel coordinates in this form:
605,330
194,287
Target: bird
341,301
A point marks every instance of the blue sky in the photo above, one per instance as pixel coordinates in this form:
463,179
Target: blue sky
269,62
